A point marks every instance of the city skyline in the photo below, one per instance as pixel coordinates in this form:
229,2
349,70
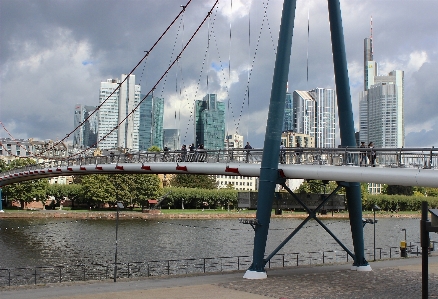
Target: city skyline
60,55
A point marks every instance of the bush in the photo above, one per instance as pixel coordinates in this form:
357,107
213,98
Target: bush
398,202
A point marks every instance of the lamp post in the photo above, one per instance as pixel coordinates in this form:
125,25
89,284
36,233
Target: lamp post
119,206
376,207
1,206
404,230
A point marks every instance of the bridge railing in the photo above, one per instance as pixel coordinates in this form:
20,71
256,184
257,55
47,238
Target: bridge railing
426,158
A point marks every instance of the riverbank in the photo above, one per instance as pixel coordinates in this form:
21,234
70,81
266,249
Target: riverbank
185,214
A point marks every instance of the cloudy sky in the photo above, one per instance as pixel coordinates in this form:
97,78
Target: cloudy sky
55,53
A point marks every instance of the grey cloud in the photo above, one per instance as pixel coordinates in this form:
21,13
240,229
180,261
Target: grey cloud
118,32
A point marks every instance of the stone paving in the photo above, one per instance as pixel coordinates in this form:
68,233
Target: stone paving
379,283
398,278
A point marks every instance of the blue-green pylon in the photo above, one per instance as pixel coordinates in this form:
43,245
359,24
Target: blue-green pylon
346,126
271,149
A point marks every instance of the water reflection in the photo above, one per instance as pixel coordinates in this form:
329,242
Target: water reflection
35,242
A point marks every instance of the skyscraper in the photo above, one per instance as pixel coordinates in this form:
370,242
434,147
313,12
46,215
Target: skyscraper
116,109
210,122
151,122
171,139
86,135
314,115
288,124
381,104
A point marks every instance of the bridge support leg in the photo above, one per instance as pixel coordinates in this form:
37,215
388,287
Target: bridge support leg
271,149
1,204
346,126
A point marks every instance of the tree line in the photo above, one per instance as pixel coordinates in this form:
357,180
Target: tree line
187,191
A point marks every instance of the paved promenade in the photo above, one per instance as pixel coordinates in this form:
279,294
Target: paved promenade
399,278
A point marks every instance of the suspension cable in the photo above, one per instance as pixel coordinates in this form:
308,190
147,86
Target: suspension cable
144,57
159,80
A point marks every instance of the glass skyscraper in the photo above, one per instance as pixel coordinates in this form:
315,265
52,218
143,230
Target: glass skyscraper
171,139
151,122
210,122
381,104
288,124
86,135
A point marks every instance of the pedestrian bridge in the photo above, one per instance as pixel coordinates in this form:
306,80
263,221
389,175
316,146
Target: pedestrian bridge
401,166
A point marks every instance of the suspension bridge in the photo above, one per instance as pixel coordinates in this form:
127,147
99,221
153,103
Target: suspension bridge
401,166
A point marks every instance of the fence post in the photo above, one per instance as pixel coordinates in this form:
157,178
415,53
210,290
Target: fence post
60,275
35,274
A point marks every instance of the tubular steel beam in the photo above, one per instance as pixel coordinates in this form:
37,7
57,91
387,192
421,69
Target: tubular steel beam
312,215
271,149
346,126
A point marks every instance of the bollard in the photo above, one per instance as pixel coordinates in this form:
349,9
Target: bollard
403,249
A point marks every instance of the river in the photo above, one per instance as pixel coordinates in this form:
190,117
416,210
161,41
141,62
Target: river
38,242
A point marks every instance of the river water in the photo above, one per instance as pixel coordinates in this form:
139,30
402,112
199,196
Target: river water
39,242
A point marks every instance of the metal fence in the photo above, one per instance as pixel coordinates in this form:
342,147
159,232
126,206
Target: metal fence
81,272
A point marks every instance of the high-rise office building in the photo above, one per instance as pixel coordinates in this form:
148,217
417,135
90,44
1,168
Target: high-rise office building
210,122
381,104
288,124
171,139
151,122
118,109
314,115
86,135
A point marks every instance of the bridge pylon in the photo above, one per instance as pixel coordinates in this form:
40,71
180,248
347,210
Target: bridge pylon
270,158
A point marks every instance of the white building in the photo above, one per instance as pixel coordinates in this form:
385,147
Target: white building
315,115
237,182
117,109
233,141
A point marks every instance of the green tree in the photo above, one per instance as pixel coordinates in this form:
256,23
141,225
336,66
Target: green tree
26,191
134,189
146,186
154,148
317,186
74,193
194,181
58,191
98,189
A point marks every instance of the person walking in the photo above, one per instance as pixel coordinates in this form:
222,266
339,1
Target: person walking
183,153
298,154
248,147
282,154
363,154
372,154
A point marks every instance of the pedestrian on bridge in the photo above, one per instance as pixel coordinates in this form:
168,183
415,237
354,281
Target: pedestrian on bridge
282,154
363,154
372,154
248,153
